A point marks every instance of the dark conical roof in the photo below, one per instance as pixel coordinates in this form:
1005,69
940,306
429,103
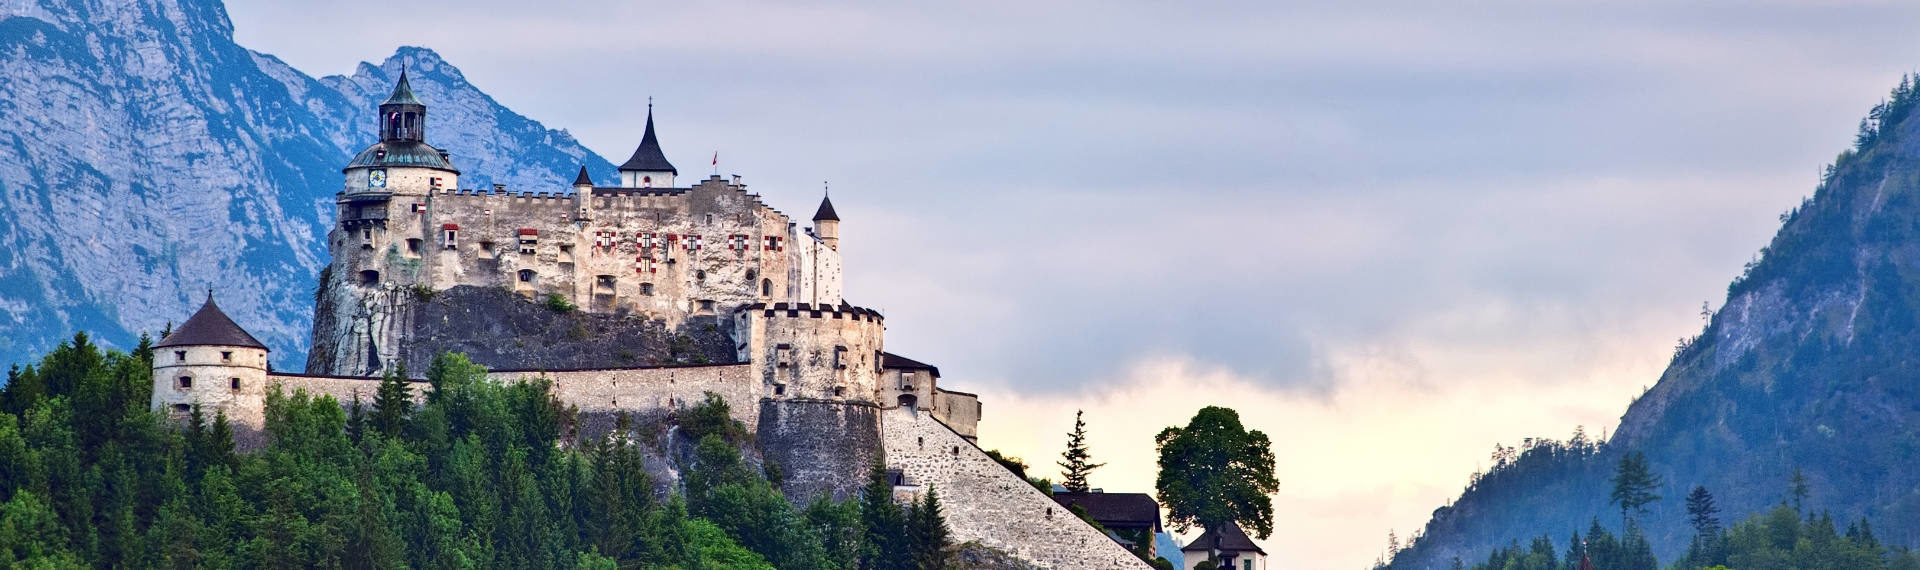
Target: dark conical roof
583,179
403,92
826,210
209,326
648,157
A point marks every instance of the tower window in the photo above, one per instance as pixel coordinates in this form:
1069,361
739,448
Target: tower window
709,219
699,275
369,278
186,382
179,356
766,287
448,237
236,384
706,305
413,246
226,356
182,408
366,235
486,250
646,288
838,359
646,182
779,389
527,276
839,391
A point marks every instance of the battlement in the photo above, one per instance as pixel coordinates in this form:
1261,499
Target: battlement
821,311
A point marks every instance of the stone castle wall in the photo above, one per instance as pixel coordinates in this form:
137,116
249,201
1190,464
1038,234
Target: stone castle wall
668,254
820,447
986,502
813,351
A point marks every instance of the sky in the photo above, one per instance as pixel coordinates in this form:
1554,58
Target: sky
1390,234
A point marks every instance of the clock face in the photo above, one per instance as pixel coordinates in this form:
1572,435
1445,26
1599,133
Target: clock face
377,178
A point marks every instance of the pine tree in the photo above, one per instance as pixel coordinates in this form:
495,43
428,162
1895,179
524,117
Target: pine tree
1633,485
928,528
883,545
1701,512
1797,489
392,402
1075,466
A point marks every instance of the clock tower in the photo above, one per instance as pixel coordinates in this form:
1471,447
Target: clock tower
383,208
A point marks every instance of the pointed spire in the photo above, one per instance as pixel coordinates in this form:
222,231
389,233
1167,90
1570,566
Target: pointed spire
402,91
826,210
583,179
647,157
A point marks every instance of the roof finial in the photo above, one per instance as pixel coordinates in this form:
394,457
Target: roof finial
649,104
209,292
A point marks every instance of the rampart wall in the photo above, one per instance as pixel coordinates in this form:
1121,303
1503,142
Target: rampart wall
986,502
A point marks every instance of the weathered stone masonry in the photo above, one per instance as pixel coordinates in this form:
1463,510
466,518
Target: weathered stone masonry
676,293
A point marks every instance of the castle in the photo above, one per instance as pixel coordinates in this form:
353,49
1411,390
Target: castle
808,374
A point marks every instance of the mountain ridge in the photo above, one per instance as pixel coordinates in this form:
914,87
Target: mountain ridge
1810,365
145,157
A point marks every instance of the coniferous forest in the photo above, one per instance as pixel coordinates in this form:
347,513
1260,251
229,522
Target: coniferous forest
480,474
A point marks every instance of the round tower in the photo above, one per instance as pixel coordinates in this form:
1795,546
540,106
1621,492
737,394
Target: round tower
211,362
813,352
388,190
826,224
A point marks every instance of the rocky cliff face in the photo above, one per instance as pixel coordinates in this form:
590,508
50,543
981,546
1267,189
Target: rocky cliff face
1813,362
144,156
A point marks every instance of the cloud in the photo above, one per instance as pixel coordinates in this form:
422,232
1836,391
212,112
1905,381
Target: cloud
1354,222
1380,451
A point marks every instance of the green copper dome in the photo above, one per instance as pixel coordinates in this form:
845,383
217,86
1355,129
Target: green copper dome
401,153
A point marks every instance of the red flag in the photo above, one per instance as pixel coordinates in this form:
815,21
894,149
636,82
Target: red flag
716,158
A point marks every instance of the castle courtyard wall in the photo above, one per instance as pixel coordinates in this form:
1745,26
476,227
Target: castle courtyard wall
987,503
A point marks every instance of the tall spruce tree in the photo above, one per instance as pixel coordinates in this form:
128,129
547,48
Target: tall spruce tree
1633,486
1074,465
927,527
392,402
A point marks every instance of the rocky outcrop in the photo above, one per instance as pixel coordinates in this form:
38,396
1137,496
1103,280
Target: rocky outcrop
144,156
501,329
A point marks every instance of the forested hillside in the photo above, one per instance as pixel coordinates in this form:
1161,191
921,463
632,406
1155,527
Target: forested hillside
1811,364
481,475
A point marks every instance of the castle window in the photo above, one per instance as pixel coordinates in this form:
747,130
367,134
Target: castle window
186,382
838,358
709,219
646,182
566,253
366,235
603,284
706,305
766,287
182,408
413,246
909,401
779,389
529,239
369,278
179,356
839,391
751,275
699,275
486,250
226,356
448,233
527,276
236,383
646,288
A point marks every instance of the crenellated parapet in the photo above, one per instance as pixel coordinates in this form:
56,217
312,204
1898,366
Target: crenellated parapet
802,350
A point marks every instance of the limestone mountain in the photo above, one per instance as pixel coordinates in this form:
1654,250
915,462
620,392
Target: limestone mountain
1813,362
145,156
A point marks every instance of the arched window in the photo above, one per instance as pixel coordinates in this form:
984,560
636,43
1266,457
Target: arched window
766,287
646,182
527,276
909,401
